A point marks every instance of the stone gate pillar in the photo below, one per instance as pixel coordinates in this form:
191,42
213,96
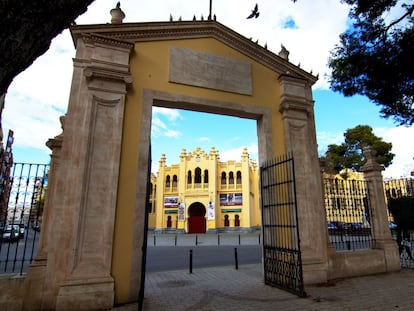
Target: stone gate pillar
379,215
82,211
300,137
91,152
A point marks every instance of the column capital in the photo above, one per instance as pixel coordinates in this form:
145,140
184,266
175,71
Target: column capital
371,165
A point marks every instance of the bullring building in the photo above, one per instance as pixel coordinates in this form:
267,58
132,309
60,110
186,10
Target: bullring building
200,194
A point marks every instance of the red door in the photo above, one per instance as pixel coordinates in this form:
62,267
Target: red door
196,224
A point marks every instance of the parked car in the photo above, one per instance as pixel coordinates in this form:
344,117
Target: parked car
331,227
21,229
342,226
11,233
392,225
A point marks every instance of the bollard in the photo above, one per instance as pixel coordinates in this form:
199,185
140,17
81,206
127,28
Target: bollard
175,240
218,239
154,240
259,238
239,239
236,259
191,261
196,240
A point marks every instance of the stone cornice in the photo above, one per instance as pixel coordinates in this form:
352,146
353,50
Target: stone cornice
93,72
156,31
105,40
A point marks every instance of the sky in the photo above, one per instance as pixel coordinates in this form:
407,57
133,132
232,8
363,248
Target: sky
308,29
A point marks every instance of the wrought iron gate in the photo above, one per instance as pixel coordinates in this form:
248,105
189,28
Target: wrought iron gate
22,195
281,244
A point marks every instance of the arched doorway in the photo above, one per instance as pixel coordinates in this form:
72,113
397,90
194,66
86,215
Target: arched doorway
196,218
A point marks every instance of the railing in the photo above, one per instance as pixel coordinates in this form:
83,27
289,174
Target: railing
23,192
406,250
348,214
396,188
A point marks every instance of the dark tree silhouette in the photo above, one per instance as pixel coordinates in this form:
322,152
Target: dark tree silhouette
27,29
349,155
375,58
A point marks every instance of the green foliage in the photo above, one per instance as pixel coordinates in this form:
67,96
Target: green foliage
402,210
375,58
349,155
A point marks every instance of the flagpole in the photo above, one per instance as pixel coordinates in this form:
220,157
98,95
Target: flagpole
210,16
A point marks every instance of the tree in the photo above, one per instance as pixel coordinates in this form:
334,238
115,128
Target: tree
349,155
375,58
27,29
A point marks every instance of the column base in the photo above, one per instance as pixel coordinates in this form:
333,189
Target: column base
315,272
36,296
391,254
90,294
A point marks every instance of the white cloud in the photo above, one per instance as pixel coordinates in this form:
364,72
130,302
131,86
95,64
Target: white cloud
172,133
403,148
171,114
325,139
236,153
204,138
159,128
39,96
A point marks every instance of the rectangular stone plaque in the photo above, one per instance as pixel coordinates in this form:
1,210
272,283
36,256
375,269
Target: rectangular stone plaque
211,71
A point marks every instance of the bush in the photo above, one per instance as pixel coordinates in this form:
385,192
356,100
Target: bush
402,209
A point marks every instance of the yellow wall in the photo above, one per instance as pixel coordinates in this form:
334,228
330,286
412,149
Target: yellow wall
149,65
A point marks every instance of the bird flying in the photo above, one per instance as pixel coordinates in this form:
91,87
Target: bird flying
255,12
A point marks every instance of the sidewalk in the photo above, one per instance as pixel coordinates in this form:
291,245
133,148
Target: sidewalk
225,288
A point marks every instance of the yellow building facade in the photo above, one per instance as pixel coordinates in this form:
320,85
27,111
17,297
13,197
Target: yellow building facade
200,194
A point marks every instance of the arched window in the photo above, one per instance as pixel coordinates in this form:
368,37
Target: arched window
231,178
236,221
238,178
223,178
206,176
174,183
197,176
226,221
189,178
167,181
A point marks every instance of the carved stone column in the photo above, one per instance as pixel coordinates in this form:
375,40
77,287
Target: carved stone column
80,230
300,137
379,215
92,144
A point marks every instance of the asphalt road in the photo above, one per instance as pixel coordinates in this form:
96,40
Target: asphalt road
16,256
178,257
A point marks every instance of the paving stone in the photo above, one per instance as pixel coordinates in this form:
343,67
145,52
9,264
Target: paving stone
225,288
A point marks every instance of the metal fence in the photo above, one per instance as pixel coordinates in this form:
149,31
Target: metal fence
348,213
22,194
396,188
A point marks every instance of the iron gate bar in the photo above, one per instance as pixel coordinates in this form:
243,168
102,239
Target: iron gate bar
141,293
23,186
281,244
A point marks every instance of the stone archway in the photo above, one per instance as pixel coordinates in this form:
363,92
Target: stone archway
196,218
99,168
